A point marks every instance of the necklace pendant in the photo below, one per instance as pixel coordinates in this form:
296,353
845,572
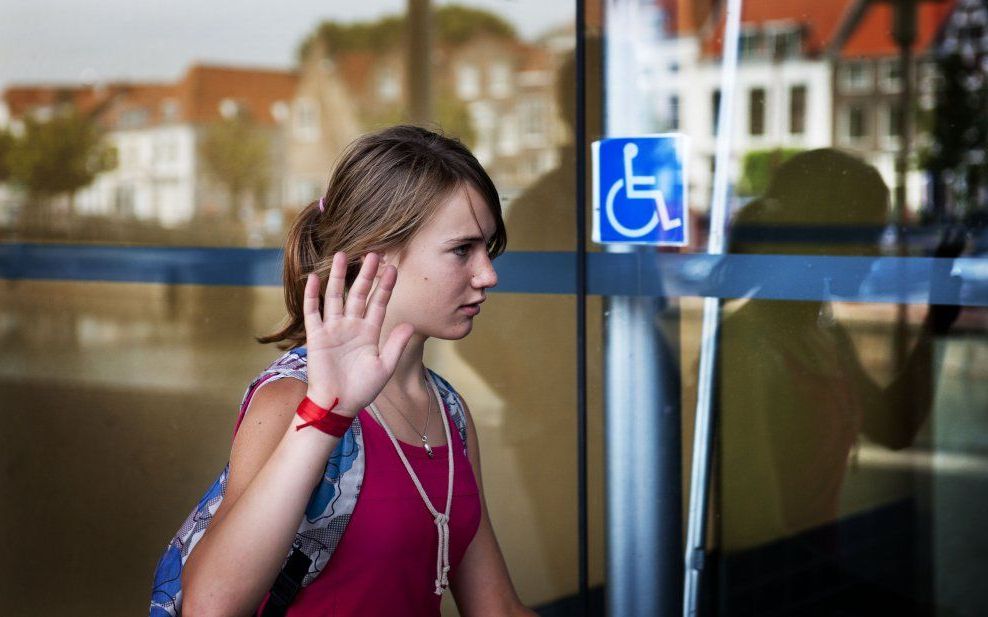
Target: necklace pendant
428,448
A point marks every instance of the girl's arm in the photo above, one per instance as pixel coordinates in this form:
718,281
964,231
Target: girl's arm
482,586
273,466
273,470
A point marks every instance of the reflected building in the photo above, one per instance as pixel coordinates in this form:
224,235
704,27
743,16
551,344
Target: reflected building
156,132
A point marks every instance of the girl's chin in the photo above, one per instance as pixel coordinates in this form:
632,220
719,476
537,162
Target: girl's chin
457,332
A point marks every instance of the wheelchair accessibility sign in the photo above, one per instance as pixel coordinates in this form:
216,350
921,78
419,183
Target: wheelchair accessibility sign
639,190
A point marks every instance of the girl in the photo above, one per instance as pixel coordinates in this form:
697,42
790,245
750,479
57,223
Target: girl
354,476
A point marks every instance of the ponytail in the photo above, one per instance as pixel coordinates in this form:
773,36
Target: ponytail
302,256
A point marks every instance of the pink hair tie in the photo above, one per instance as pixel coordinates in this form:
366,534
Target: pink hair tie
322,204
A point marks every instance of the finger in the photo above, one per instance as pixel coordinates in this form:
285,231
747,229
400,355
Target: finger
310,304
333,305
395,346
378,305
356,300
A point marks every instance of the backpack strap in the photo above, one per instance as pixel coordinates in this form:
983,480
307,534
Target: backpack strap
454,406
287,584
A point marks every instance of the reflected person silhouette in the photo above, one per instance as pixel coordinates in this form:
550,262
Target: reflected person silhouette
794,395
528,356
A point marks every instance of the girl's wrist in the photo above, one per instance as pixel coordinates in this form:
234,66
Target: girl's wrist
326,400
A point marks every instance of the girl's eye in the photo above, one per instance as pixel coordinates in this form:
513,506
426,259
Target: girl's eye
462,250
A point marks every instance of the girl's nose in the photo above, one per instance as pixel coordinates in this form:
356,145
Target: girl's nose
485,276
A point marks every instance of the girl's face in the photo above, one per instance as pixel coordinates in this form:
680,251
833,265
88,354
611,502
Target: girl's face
444,270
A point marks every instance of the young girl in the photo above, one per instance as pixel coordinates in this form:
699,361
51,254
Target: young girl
354,478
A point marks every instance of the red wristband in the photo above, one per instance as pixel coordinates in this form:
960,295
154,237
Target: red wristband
323,419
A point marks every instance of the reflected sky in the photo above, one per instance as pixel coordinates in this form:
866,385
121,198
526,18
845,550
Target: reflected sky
70,41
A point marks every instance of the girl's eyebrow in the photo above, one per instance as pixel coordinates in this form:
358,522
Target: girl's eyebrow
466,240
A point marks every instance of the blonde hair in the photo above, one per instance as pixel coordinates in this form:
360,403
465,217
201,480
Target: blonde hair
385,187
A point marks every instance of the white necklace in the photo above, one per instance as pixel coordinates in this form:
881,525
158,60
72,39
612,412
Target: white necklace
424,433
441,519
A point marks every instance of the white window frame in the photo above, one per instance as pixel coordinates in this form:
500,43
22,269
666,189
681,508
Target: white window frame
305,119
862,83
467,81
886,81
845,125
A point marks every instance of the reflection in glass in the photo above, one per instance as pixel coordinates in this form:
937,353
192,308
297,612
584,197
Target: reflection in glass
797,400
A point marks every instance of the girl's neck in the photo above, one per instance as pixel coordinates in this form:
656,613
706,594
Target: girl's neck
408,375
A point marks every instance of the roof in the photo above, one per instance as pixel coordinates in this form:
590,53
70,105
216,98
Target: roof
873,36
822,21
197,96
22,99
256,90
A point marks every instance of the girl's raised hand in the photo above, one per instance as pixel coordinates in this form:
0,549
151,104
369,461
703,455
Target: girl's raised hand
345,356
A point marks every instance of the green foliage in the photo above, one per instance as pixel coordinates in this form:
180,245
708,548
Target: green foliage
6,146
59,156
457,24
454,25
454,119
958,152
237,153
758,168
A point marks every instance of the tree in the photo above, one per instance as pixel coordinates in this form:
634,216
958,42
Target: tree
237,153
957,158
55,157
6,146
59,156
759,166
454,25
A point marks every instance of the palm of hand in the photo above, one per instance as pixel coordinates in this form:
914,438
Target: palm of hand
345,358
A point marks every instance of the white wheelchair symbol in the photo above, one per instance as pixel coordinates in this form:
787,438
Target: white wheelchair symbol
635,190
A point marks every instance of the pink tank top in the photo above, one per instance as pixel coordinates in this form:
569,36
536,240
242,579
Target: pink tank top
385,564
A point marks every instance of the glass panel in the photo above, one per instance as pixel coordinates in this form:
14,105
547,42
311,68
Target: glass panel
221,153
846,432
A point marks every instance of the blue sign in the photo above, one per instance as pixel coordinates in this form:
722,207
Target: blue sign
639,190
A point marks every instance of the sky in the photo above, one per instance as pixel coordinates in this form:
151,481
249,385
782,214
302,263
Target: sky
84,41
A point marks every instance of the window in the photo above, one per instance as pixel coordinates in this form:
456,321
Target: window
467,82
756,111
306,125
787,43
229,109
714,110
673,120
751,45
856,123
892,116
388,86
169,110
499,80
856,76
279,111
134,118
534,118
305,190
890,75
125,201
797,110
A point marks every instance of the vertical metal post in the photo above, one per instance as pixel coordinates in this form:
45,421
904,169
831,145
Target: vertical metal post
703,427
418,70
904,34
580,139
641,385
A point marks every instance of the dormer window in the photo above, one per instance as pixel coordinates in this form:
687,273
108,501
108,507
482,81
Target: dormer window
787,43
751,44
169,110
229,109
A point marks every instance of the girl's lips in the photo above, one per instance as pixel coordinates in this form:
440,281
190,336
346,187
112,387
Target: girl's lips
471,309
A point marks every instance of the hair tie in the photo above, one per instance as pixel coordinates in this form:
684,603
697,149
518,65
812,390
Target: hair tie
322,204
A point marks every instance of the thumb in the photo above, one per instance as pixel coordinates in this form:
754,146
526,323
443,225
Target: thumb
395,345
